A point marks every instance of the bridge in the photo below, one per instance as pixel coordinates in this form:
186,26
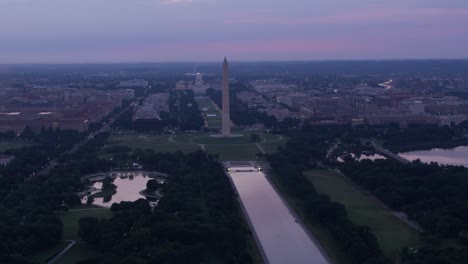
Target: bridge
389,154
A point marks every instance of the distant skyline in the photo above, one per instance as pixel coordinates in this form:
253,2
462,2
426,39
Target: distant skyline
95,31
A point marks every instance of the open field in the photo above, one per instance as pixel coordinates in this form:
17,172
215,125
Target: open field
363,209
210,113
272,146
157,143
70,220
236,148
207,140
6,145
80,251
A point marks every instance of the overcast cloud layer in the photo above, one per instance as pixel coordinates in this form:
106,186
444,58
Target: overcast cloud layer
66,31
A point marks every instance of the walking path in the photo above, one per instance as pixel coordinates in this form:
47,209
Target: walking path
59,255
260,148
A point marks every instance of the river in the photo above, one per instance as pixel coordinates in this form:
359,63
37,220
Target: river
455,156
282,238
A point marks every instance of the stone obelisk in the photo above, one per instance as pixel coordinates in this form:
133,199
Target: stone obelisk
226,128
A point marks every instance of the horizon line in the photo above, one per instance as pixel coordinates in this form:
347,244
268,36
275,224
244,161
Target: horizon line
235,61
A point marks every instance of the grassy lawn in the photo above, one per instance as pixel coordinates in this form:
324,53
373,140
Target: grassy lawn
156,143
321,234
210,113
221,141
184,138
174,147
80,251
237,148
43,255
239,152
6,145
204,102
363,209
271,147
139,141
70,220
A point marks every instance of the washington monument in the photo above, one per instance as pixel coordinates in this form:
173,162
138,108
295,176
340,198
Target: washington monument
226,129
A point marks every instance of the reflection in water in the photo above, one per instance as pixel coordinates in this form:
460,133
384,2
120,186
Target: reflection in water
127,190
363,156
455,156
282,237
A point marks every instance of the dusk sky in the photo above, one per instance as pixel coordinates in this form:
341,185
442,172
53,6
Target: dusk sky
67,31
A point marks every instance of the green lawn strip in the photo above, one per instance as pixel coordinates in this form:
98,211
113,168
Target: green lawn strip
363,209
269,137
272,142
156,143
208,110
270,147
80,251
6,145
214,125
70,220
183,138
139,141
222,141
174,147
213,121
203,102
320,233
43,255
239,152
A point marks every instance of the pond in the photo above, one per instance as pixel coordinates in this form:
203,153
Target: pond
363,156
129,186
454,156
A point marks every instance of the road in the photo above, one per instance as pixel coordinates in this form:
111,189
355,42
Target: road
106,127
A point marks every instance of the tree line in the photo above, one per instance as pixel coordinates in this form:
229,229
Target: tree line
198,220
432,195
303,152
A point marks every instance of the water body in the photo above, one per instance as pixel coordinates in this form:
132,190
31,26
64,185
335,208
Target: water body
127,190
455,156
282,238
363,157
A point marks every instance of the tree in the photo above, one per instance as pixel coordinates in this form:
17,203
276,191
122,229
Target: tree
152,185
132,260
28,133
90,229
90,200
255,137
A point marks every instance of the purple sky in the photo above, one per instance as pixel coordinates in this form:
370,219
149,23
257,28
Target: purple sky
66,31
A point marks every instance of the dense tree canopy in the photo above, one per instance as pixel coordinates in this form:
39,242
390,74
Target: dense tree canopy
197,220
